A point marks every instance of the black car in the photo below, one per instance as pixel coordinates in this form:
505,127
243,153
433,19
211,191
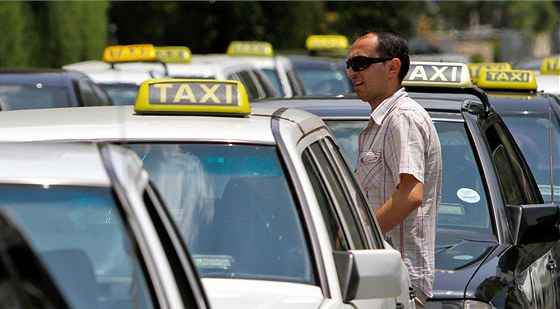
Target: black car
497,243
48,88
533,117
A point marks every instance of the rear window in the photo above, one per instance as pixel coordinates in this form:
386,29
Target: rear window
13,97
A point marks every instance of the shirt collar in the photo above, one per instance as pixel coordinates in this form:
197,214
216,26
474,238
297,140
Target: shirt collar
383,109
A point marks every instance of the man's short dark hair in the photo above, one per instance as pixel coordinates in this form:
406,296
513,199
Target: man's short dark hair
391,45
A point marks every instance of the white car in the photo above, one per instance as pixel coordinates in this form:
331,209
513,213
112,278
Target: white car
122,70
265,200
277,68
92,216
256,83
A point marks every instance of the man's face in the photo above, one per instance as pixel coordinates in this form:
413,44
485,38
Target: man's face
371,83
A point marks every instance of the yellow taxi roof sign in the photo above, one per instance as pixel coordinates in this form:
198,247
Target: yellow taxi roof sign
475,68
250,48
192,96
550,65
326,42
178,54
129,53
438,74
507,80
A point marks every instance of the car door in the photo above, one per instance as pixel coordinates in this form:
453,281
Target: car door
351,224
527,269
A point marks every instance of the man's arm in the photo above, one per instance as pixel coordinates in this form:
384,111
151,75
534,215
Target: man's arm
402,203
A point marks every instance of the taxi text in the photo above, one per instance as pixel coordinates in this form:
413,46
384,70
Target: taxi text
193,94
505,76
434,73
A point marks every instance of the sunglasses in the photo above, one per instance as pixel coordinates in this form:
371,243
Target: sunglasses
360,63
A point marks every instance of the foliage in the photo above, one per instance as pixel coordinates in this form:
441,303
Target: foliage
16,34
51,34
54,33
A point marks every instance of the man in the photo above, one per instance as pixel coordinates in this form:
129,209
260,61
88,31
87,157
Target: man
399,163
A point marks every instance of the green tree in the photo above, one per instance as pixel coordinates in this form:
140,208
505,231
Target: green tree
16,43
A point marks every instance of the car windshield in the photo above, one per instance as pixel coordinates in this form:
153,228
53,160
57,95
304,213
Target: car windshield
542,155
463,205
324,82
122,94
13,97
234,207
79,233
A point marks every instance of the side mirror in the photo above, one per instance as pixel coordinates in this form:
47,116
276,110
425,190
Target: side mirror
534,223
370,274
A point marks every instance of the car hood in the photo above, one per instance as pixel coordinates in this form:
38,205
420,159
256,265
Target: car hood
457,261
242,293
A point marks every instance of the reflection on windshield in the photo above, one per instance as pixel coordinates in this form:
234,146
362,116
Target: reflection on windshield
79,234
463,203
234,208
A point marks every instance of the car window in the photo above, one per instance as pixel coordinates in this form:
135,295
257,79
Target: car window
87,94
528,131
319,82
355,196
80,234
14,97
122,94
464,203
234,208
514,180
102,96
326,204
335,189
274,79
245,78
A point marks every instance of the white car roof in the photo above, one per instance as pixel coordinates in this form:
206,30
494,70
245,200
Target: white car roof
122,123
131,72
210,67
548,82
52,163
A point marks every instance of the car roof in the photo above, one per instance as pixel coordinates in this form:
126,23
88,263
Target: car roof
351,105
122,123
45,76
52,163
131,72
507,102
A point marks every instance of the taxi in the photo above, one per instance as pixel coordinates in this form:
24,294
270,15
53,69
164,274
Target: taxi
191,66
263,198
96,223
533,118
497,241
323,72
122,70
277,68
33,88
548,76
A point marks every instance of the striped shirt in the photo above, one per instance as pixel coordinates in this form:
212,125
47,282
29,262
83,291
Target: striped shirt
401,139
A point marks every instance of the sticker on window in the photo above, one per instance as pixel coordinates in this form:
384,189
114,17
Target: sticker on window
451,209
468,195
